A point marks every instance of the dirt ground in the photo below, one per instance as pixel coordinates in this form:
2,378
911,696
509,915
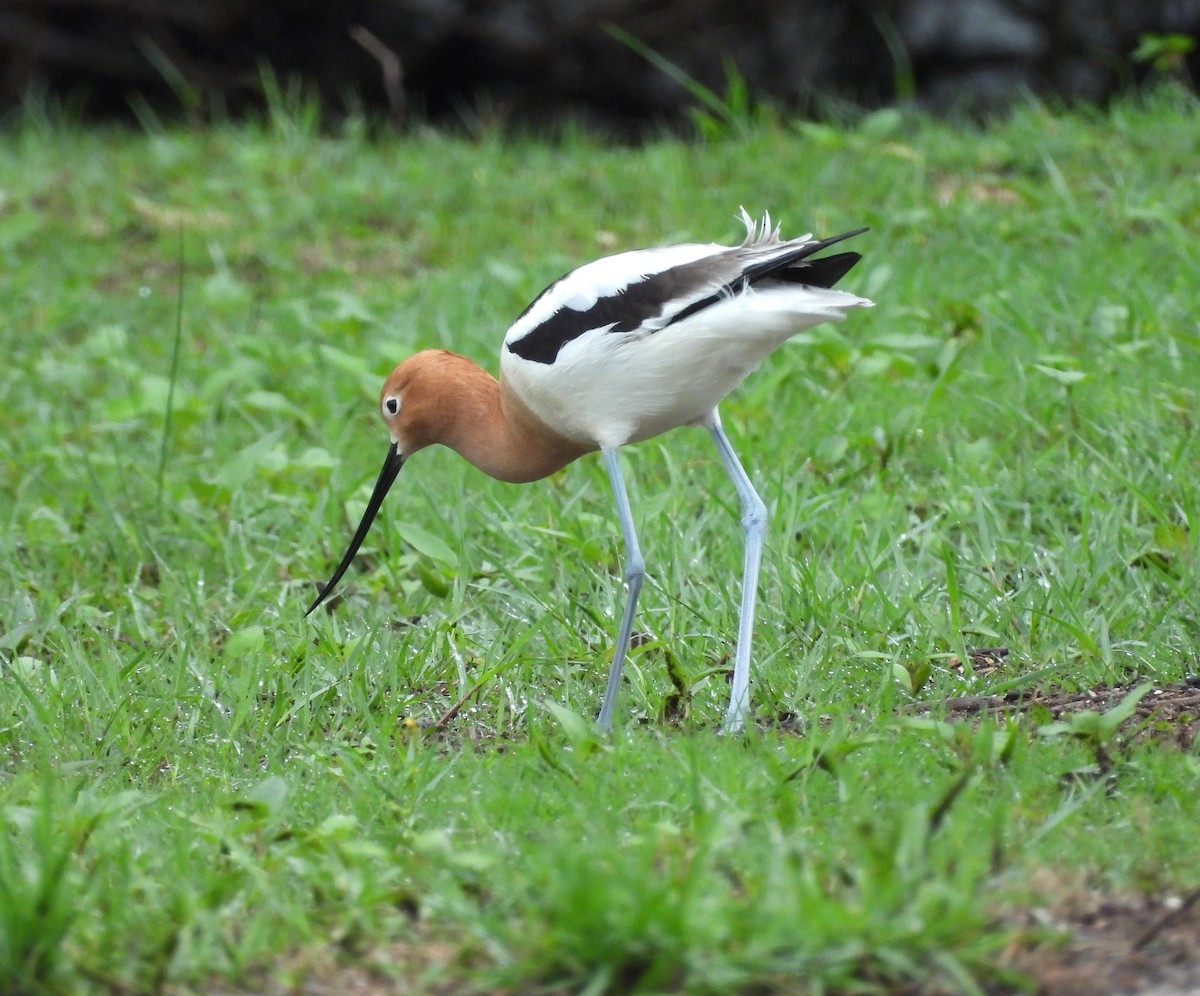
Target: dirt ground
1171,712
1148,946
1100,944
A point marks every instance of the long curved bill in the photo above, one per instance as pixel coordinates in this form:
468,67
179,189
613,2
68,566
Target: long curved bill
391,467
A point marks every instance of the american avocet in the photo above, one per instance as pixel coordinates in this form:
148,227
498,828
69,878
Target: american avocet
615,352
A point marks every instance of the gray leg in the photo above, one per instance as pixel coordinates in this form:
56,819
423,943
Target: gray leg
754,528
635,571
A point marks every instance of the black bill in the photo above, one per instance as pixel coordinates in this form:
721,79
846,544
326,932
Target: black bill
391,467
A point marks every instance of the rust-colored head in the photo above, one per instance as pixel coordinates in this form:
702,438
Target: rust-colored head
414,399
409,405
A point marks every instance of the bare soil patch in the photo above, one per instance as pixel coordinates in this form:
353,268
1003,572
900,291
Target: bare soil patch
1091,942
1171,712
1120,945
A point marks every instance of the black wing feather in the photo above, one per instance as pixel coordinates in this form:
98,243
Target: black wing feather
794,268
625,311
647,299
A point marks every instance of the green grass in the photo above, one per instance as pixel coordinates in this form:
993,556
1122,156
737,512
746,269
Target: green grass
201,789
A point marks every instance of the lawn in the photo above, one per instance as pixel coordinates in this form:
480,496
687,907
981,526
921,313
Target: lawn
986,485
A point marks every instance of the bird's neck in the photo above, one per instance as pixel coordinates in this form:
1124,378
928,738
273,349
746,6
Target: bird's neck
493,429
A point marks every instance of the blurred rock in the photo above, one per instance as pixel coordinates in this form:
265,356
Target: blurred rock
980,54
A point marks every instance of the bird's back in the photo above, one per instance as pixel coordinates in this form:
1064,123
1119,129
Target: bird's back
628,346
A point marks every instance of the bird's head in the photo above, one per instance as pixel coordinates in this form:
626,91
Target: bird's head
413,412
416,400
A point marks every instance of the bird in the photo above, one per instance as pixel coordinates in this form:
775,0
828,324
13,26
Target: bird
615,352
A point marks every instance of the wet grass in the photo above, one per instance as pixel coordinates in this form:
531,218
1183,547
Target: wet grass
201,789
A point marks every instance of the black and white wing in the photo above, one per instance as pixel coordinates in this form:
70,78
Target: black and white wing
640,292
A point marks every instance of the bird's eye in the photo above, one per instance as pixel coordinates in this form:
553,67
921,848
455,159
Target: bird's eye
391,405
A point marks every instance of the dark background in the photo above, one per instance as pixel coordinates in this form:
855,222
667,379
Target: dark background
534,61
